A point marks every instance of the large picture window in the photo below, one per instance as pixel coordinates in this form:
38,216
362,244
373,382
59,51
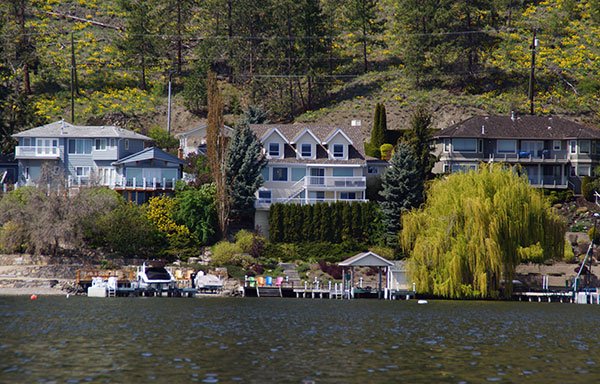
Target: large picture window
506,146
464,145
80,146
584,146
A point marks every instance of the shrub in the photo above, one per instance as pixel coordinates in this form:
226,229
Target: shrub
386,151
226,253
587,188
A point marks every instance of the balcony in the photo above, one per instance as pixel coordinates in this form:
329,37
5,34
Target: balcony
544,156
332,182
37,152
153,184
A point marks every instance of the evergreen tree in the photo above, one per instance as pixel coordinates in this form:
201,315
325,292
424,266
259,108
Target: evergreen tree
403,189
362,19
140,43
419,139
377,138
383,123
244,164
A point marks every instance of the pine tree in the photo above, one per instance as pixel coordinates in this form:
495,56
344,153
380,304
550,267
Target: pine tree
362,19
140,44
244,164
419,139
403,189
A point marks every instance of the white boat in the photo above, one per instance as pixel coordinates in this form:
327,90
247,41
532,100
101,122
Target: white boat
154,276
207,282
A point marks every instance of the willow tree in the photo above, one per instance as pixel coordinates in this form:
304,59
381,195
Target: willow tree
473,231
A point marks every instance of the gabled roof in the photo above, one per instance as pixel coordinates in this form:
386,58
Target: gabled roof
334,134
152,153
521,127
366,259
355,135
201,127
302,133
274,130
63,129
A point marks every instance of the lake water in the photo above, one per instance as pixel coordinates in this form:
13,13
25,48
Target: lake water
168,340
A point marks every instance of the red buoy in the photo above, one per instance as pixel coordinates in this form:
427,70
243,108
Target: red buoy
33,297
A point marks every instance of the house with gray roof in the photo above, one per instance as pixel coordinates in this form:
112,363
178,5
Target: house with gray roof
95,155
554,152
194,140
311,163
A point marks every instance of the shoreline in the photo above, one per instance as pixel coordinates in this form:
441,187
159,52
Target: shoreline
28,291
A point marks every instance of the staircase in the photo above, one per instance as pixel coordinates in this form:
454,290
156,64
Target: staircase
268,292
289,269
296,189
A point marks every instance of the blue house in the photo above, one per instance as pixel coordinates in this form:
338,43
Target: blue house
76,156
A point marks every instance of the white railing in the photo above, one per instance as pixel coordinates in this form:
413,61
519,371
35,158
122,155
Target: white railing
527,156
266,202
336,182
144,183
37,152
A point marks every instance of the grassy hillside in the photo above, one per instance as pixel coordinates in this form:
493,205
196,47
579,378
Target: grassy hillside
567,67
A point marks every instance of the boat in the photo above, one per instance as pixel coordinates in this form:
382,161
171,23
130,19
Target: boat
207,282
154,276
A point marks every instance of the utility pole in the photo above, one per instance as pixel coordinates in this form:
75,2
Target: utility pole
73,74
534,44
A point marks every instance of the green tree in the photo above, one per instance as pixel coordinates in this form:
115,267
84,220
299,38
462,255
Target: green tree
402,189
244,164
419,138
162,139
197,211
140,42
363,20
474,230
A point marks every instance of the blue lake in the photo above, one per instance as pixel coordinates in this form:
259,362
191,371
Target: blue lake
220,340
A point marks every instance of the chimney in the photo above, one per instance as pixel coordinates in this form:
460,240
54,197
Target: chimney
483,129
355,123
512,115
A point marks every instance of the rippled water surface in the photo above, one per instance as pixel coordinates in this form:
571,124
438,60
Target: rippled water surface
139,340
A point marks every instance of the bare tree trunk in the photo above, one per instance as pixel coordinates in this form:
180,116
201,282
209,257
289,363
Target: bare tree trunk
179,43
216,151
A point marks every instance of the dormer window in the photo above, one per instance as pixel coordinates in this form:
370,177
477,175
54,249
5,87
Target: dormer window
338,151
306,150
274,149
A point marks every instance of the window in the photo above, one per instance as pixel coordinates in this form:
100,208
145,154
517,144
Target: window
298,173
306,150
127,144
26,142
480,146
274,149
338,150
343,172
265,173
80,146
573,146
280,174
264,196
82,171
464,145
348,195
372,170
100,144
46,146
112,143
446,145
584,146
506,146
557,145
318,195
583,170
